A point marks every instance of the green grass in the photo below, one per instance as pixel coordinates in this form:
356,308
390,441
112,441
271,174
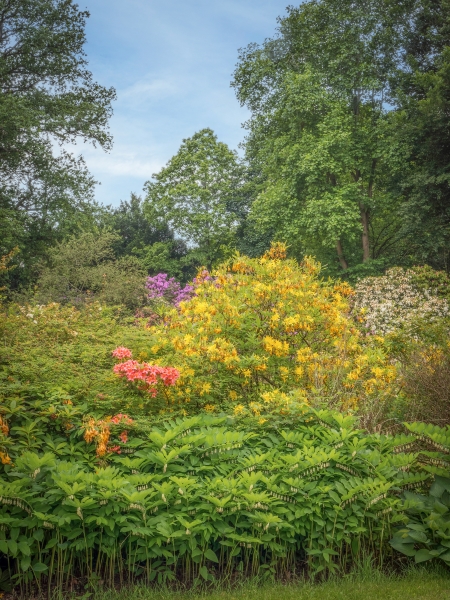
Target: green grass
418,584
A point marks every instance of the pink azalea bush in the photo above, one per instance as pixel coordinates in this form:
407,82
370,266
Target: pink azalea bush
148,376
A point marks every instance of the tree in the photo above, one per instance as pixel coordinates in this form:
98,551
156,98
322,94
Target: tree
154,244
319,127
85,267
47,98
422,99
193,194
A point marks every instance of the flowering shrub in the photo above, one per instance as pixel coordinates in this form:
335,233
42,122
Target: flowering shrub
163,287
146,375
263,327
399,298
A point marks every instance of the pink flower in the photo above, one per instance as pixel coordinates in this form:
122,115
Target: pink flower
122,353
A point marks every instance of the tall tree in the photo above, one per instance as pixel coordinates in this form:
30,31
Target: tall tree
317,93
421,122
48,98
194,193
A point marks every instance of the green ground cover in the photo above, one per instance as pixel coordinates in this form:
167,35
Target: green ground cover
416,585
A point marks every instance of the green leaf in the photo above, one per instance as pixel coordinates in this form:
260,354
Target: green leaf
51,543
39,567
407,549
12,545
25,563
38,535
4,546
211,555
24,548
423,555
204,572
418,536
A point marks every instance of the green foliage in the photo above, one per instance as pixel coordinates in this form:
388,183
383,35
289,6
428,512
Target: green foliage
319,130
48,98
85,266
65,352
154,245
421,351
427,533
193,192
422,96
199,497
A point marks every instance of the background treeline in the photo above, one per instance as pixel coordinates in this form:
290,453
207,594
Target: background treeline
345,156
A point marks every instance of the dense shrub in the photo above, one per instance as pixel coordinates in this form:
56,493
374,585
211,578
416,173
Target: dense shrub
268,330
422,355
65,352
85,267
197,497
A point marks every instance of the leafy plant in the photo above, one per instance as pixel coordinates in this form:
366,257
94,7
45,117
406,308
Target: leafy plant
426,535
50,353
201,497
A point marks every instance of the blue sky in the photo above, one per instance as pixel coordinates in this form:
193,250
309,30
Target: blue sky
171,63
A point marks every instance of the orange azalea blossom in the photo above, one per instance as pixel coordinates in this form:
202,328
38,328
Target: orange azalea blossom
4,427
5,459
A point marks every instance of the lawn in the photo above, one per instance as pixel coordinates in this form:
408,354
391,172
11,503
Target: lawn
417,585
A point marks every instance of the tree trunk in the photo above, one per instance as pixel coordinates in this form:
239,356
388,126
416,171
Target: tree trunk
340,252
365,234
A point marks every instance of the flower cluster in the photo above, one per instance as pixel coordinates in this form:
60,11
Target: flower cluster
397,299
100,432
163,287
122,353
147,375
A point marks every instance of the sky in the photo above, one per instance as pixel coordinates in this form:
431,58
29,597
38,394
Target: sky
171,63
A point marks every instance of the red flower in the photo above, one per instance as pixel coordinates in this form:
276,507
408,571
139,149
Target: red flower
123,437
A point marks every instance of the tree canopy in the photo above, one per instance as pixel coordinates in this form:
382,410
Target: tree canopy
48,99
194,193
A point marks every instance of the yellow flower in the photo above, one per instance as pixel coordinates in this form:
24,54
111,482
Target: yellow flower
299,371
205,389
209,407
233,395
284,372
275,347
239,409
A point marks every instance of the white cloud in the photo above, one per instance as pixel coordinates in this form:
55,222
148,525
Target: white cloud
148,89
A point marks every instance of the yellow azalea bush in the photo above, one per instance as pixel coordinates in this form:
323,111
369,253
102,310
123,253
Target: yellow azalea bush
260,332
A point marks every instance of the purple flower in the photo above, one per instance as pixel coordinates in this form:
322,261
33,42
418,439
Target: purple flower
167,288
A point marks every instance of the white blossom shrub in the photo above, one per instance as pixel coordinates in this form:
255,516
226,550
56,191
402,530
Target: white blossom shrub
399,298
